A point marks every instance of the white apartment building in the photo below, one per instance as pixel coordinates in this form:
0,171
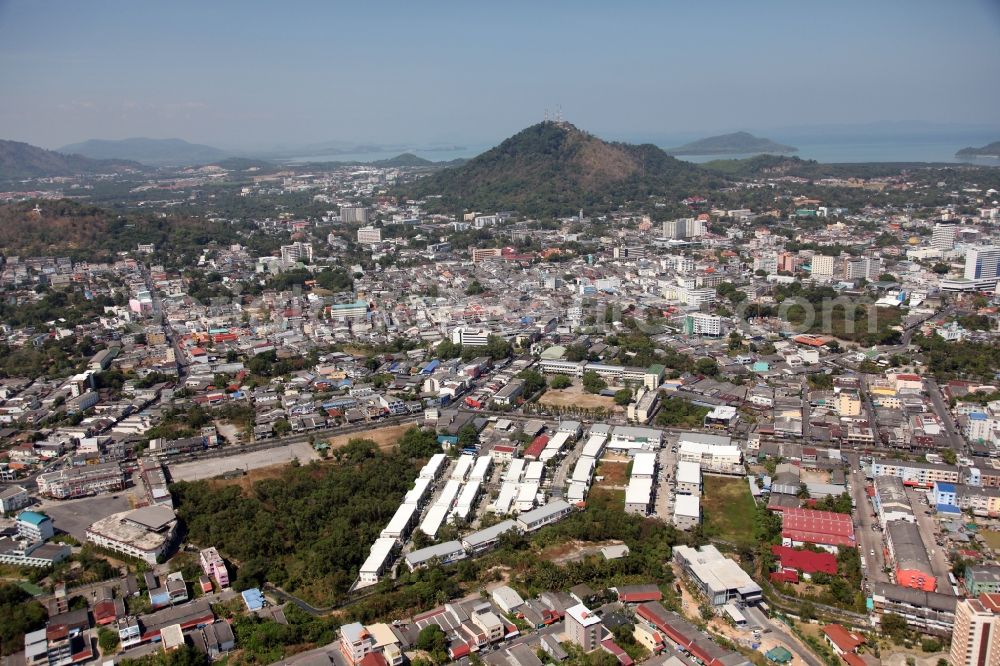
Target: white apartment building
369,235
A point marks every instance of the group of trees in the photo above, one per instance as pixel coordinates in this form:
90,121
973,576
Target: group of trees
593,383
968,360
19,614
308,530
678,412
496,348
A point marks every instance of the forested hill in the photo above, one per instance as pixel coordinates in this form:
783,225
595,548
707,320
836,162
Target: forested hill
737,143
87,232
554,169
156,152
22,160
989,150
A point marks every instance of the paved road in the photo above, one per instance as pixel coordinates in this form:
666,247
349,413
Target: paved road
868,538
955,440
928,533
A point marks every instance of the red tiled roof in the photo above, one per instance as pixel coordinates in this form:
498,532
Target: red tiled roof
845,640
805,560
854,660
459,650
536,447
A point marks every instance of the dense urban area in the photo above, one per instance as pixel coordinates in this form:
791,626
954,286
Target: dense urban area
566,402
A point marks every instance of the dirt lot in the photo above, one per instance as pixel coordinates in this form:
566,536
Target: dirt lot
613,470
575,397
572,551
384,437
814,476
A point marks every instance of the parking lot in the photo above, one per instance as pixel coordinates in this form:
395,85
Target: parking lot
210,467
663,506
76,515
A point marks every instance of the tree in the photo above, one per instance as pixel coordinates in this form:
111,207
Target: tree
533,382
468,437
706,366
434,642
895,627
19,614
560,382
949,456
623,397
592,382
108,640
474,288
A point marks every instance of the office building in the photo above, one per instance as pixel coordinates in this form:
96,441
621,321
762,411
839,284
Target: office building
975,640
982,264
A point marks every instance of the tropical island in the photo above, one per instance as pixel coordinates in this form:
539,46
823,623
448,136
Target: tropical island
737,143
989,150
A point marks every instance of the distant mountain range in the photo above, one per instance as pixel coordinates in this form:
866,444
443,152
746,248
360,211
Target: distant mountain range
22,160
153,152
553,168
989,150
737,143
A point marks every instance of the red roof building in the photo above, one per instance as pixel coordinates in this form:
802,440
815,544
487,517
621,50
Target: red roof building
823,528
805,561
536,447
637,594
610,646
842,640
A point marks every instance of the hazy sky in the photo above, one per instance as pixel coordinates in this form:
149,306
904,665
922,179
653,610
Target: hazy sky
240,74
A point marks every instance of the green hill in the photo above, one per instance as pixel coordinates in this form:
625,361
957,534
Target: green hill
989,150
154,152
554,169
737,143
22,160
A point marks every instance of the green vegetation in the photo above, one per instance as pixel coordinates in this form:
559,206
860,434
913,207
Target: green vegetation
108,640
552,169
967,360
592,382
737,143
989,150
533,382
264,641
309,530
728,509
623,396
19,614
560,382
678,412
434,642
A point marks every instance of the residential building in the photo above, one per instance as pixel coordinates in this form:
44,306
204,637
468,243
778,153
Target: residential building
146,533
975,640
354,214
583,627
355,642
369,235
33,526
13,498
296,252
823,267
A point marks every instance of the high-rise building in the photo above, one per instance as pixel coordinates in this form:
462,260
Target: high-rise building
297,251
943,237
975,640
982,263
369,235
822,266
354,214
684,227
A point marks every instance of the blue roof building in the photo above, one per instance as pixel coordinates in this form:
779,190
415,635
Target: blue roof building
253,598
34,526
